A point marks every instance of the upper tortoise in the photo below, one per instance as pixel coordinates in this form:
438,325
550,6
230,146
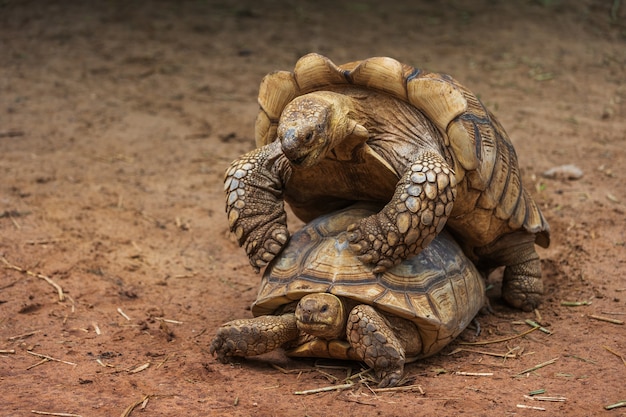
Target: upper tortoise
379,130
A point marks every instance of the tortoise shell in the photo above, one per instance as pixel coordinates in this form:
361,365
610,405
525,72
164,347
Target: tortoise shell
484,160
440,290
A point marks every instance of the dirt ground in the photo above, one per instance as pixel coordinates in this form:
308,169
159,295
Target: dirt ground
117,121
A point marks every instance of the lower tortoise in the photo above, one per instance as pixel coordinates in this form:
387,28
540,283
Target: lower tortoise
317,299
378,130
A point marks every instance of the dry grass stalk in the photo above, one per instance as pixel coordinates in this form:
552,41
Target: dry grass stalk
473,373
7,351
575,303
291,371
23,335
504,339
140,368
45,413
544,398
616,405
403,388
41,362
534,368
616,354
50,358
533,323
325,389
168,320
134,405
34,274
482,352
530,407
119,310
615,313
582,359
607,319
169,355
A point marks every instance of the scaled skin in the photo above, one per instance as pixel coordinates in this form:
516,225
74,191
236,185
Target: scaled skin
381,342
337,148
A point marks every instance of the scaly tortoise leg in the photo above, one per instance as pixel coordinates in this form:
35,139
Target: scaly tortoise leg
376,344
417,212
250,337
522,286
256,214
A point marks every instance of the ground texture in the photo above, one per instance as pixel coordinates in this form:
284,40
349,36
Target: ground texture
117,121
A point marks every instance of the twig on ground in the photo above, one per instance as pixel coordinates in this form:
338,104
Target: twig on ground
504,339
614,313
23,335
401,389
134,405
473,373
119,310
6,351
41,362
325,389
616,354
482,352
575,303
169,355
291,371
50,358
140,368
535,324
618,404
607,319
45,413
543,398
582,359
168,320
34,274
530,407
534,368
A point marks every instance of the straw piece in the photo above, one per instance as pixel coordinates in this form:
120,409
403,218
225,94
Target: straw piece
325,389
534,368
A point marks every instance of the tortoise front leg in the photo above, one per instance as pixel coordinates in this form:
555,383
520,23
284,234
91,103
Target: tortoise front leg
417,212
250,337
376,344
256,212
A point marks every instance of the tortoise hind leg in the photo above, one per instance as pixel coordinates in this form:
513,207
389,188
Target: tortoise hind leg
376,344
522,286
250,337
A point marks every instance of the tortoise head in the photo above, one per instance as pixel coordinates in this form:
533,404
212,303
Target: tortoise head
313,124
303,130
322,315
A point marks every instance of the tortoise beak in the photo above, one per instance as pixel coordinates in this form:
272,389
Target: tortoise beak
292,149
304,313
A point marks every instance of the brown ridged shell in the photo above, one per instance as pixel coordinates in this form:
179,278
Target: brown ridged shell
440,290
483,154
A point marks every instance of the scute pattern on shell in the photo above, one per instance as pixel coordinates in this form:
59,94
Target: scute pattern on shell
480,147
440,290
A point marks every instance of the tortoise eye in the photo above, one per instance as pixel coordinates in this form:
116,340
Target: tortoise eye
324,308
309,136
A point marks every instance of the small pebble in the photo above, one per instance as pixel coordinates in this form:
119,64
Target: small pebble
564,172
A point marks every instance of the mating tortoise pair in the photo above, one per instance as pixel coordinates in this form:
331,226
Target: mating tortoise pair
418,143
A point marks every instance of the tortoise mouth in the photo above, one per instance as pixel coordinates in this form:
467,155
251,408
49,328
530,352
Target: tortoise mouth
300,161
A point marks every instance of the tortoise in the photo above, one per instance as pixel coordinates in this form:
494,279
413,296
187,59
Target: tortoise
317,299
377,130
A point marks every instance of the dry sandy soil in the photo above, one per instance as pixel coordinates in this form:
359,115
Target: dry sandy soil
117,121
